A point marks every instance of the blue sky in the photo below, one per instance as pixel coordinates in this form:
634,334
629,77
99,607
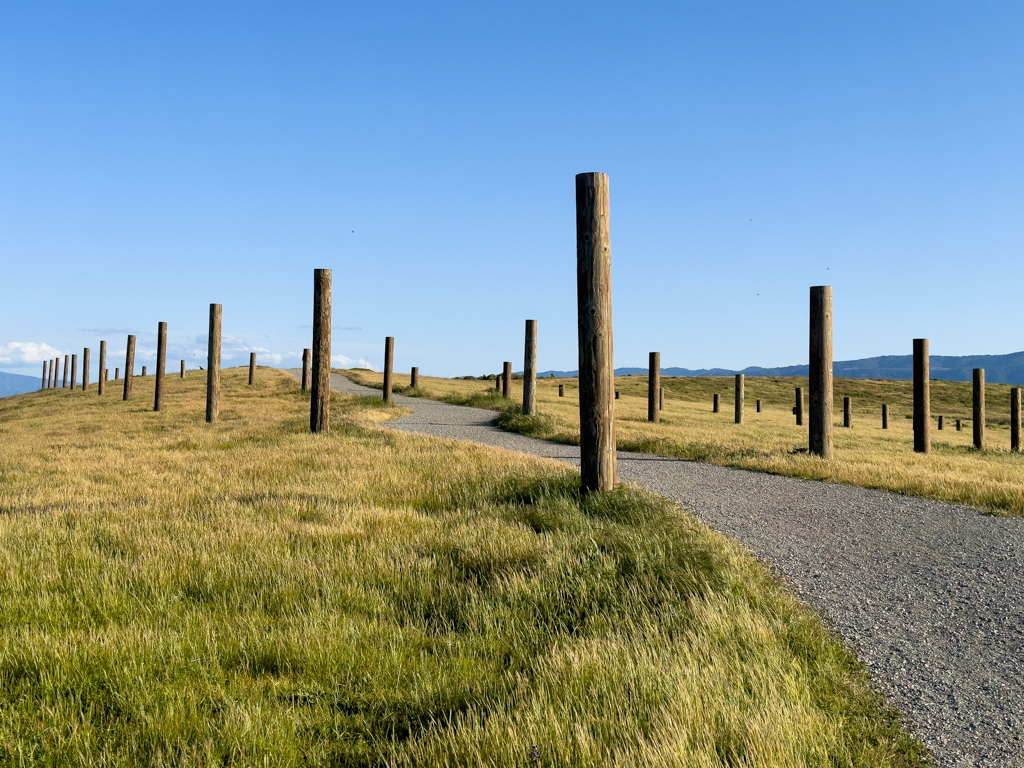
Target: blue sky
156,157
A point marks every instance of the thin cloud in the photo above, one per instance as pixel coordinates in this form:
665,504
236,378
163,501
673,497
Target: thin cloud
26,352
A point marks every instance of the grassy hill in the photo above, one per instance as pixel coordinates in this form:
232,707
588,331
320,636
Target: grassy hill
866,455
245,593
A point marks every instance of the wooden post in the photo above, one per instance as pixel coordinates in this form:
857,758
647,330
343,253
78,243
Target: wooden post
106,375
252,368
74,370
714,404
819,384
506,378
979,408
213,364
758,406
847,412
414,378
561,390
161,365
46,374
389,361
320,392
497,382
101,385
940,423
885,416
530,370
922,398
798,409
653,386
661,398
183,369
596,350
1015,419
143,371
117,373
738,400
305,370
67,367
616,394
958,425
85,369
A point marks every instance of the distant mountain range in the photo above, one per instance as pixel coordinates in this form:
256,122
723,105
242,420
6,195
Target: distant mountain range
999,369
16,384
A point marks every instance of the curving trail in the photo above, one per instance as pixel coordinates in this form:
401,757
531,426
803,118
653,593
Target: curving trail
929,594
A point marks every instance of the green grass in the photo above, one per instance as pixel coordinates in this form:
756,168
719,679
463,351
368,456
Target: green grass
245,593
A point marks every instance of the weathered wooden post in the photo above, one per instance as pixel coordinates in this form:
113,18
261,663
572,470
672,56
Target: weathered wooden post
497,382
183,369
661,398
85,369
738,400
55,372
74,371
106,375
117,373
320,393
758,406
596,350
653,386
922,398
213,364
46,374
819,383
305,370
252,368
389,361
561,390
101,385
714,404
616,394
979,408
940,423
530,370
1015,419
885,416
506,378
847,412
161,365
414,378
959,425
143,371
66,368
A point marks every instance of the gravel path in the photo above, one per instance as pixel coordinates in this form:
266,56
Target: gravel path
930,595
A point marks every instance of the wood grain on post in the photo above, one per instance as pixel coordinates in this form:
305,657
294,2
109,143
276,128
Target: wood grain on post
979,408
738,400
819,384
74,370
414,378
252,368
847,412
161,365
101,385
213,364
922,398
320,386
653,386
714,404
561,390
596,349
530,370
1015,419
885,416
67,366
305,370
85,369
389,362
506,378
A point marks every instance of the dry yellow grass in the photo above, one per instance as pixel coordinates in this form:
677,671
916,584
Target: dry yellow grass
770,441
175,593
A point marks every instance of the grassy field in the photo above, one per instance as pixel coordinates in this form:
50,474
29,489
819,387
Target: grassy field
175,593
866,455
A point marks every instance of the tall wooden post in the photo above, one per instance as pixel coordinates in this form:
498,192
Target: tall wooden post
305,370
758,406
106,375
389,362
653,385
661,398
161,365
506,378
561,390
117,373
67,367
85,369
320,392
101,385
885,416
979,408
1015,418
530,370
922,398
414,378
847,412
46,374
183,369
596,350
143,371
74,370
819,384
213,364
252,368
714,403
129,367
940,423
497,382
738,400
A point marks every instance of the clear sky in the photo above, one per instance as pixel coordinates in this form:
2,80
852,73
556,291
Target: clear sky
156,157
